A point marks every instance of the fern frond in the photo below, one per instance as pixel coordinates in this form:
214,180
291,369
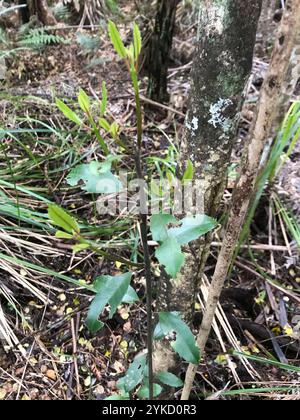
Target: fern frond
39,37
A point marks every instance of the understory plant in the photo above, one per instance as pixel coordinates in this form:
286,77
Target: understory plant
169,234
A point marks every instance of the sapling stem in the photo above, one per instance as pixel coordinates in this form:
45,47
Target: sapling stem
144,228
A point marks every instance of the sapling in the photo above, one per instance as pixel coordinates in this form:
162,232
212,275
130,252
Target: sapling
170,233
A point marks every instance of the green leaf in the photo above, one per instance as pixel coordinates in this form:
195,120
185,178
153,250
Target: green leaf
144,391
97,179
63,235
158,224
111,290
84,101
103,104
130,296
68,112
169,379
184,344
79,247
170,256
116,40
137,41
130,53
104,124
61,218
114,129
192,228
134,375
189,172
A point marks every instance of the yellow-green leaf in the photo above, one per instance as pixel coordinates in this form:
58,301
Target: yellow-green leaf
116,40
61,218
84,101
68,112
137,41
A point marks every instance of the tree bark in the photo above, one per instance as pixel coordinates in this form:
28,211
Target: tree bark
40,9
222,65
262,126
159,50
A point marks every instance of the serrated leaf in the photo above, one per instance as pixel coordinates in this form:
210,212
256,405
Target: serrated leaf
96,177
169,254
84,101
134,375
169,379
192,228
144,391
104,100
63,235
59,217
189,172
110,290
116,40
158,226
184,343
104,124
68,112
137,41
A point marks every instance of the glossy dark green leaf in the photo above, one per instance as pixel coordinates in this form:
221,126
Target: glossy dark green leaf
169,254
144,391
184,341
169,379
134,375
96,177
192,228
158,226
110,290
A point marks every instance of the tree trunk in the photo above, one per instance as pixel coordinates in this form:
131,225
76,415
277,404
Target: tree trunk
261,128
159,49
40,9
222,65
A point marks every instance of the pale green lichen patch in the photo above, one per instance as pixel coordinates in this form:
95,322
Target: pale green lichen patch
217,115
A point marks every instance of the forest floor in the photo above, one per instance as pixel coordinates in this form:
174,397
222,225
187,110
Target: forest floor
48,352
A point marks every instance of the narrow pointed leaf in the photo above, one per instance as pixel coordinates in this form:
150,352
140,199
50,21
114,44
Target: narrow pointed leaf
137,40
61,218
84,101
116,40
68,112
104,100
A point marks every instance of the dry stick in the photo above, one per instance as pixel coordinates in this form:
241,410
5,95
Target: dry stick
266,115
